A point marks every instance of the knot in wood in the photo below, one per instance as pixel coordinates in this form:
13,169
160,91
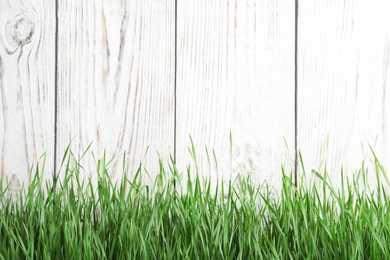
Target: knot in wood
20,30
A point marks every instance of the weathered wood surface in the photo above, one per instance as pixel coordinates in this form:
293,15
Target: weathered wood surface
116,81
27,84
343,83
235,71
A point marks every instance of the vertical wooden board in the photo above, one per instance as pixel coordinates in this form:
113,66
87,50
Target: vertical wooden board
235,72
343,84
27,86
115,72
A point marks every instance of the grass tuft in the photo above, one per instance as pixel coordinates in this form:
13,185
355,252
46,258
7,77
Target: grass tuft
72,218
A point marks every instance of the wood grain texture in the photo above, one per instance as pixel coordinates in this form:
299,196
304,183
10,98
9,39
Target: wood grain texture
116,81
343,83
235,72
27,84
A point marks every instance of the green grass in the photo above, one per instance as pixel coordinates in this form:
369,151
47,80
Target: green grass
73,219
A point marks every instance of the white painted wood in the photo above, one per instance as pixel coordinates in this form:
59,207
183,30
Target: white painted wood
27,62
343,83
235,72
116,81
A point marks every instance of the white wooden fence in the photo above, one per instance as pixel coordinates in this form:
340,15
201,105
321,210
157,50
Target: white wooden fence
282,76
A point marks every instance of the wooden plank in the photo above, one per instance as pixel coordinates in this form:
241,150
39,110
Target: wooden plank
115,70
27,83
236,73
343,83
